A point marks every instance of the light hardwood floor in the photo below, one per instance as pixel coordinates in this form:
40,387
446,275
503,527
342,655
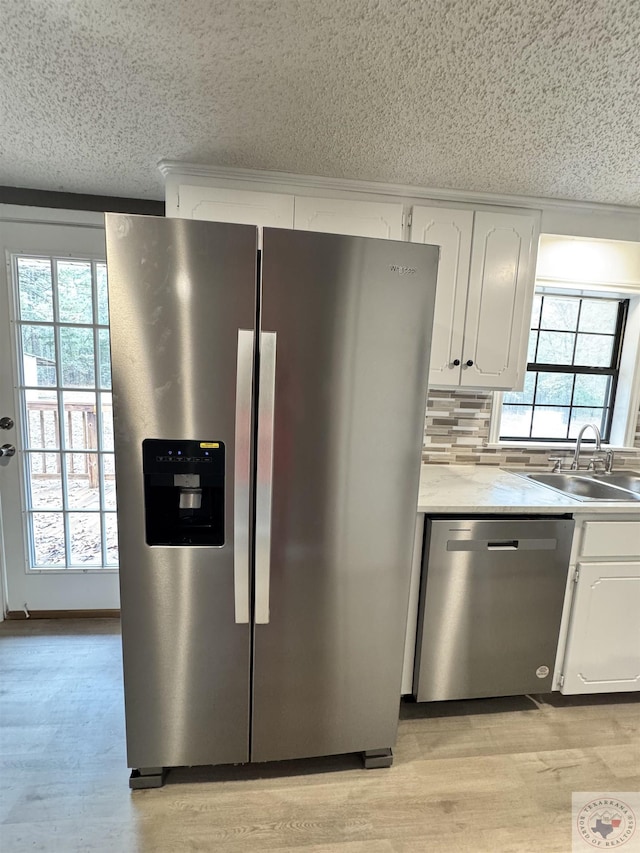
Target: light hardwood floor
488,775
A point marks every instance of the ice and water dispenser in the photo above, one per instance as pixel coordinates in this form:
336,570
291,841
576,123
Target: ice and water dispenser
183,492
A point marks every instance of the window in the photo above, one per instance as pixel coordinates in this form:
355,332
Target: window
65,395
574,354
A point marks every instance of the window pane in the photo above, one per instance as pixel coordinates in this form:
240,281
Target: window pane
594,350
535,311
45,480
38,356
554,388
86,538
598,315
107,421
104,358
34,287
42,414
555,348
524,396
550,422
531,351
74,292
48,539
109,481
580,417
591,390
83,488
101,282
516,421
80,422
76,353
111,525
558,313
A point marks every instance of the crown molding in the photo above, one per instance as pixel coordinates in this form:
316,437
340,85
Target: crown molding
169,168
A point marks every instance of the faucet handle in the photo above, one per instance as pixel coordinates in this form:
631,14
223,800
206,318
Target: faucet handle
608,461
558,463
595,461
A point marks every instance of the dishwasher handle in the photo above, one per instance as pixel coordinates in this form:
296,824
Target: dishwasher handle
502,544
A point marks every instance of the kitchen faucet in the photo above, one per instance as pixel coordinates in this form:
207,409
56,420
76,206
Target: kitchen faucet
576,456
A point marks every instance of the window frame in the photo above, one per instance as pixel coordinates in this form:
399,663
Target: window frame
626,415
103,455
612,371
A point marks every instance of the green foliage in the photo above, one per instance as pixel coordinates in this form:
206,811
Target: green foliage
75,304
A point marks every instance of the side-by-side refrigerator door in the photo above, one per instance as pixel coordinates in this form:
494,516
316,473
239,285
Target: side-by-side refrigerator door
344,359
182,298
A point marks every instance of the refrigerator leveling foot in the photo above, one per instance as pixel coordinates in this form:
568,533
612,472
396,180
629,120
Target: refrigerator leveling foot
147,777
374,758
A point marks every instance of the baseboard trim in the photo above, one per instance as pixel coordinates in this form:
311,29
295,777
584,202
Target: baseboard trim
63,614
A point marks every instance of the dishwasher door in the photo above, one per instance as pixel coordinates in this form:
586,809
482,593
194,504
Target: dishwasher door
490,608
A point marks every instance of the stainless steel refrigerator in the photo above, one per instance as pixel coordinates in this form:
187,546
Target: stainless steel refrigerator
269,412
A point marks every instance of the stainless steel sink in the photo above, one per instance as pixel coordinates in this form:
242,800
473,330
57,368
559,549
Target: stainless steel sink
584,486
624,479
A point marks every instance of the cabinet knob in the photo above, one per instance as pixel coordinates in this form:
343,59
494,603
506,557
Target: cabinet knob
469,363
456,362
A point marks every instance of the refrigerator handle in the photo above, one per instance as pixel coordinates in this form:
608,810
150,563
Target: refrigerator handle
266,407
242,472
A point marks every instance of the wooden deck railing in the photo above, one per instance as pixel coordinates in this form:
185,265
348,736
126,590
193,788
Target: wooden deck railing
79,436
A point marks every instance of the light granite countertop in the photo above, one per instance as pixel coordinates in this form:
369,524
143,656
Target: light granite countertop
484,489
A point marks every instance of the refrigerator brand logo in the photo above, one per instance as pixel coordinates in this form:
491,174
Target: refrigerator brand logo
403,270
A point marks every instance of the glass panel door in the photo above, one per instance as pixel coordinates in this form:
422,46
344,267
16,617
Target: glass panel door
58,542
65,397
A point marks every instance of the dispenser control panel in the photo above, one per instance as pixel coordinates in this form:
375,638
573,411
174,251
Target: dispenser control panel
184,491
183,456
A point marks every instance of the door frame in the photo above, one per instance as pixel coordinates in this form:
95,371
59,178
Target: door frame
18,215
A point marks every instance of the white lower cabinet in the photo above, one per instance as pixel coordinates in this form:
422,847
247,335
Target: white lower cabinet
602,652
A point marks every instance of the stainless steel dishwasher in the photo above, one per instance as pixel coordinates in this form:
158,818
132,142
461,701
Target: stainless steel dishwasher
490,606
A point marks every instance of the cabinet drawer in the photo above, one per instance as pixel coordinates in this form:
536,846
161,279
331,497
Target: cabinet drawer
611,539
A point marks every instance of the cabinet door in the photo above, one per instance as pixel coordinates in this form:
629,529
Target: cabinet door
501,284
451,230
603,648
343,216
241,206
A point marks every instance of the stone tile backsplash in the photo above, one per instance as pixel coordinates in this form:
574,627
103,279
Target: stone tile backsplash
456,432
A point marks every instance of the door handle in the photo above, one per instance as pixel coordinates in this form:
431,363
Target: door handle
6,423
264,479
242,476
7,450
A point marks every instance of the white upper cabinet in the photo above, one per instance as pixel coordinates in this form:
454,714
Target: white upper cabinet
220,204
485,277
501,287
484,294
346,216
450,230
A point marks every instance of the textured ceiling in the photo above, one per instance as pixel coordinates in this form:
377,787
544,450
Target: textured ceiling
534,97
